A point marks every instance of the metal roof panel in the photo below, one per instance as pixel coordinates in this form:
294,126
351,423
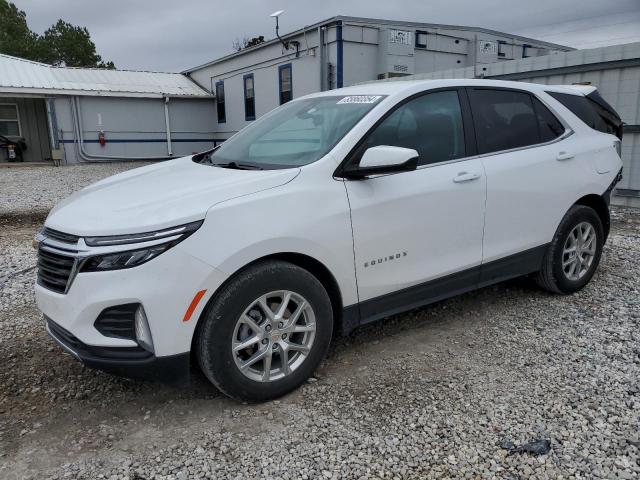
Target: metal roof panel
26,75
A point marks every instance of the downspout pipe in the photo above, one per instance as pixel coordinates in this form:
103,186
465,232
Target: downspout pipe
321,55
79,141
168,125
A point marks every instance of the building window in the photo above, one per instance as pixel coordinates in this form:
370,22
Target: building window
222,114
285,83
249,98
421,39
501,47
9,120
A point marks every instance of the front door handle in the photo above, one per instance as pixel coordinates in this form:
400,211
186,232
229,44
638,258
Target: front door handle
564,156
465,177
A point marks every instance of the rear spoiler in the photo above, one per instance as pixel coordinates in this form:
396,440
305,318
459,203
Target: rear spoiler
582,89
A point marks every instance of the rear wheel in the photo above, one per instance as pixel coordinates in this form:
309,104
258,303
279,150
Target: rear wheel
574,253
265,332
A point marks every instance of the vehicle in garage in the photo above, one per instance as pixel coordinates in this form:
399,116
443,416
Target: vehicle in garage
333,210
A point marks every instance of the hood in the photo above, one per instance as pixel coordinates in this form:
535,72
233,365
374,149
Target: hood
157,196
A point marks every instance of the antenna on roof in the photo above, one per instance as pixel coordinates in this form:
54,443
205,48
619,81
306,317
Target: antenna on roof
285,44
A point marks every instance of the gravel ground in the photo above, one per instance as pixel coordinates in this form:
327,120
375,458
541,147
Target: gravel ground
442,392
34,190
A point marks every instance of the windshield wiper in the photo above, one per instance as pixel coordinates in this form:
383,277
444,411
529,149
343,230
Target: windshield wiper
237,166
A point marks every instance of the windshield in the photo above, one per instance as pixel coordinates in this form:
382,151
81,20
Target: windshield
296,134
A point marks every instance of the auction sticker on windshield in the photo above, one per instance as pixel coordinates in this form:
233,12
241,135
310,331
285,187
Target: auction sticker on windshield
359,99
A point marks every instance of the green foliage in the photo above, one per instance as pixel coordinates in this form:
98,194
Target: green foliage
70,46
62,44
15,36
246,42
255,41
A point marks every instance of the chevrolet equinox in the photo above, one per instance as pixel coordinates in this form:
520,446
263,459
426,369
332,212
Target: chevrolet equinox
334,210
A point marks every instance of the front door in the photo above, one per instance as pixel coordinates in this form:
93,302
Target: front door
412,228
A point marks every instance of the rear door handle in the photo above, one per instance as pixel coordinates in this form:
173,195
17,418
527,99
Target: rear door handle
466,177
564,156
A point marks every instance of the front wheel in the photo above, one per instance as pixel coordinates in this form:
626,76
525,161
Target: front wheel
265,332
574,253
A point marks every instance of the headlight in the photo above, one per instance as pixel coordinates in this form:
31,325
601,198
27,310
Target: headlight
133,258
128,259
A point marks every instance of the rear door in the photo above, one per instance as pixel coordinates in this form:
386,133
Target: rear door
532,174
413,227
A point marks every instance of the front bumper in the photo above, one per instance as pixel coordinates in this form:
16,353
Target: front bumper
132,362
164,286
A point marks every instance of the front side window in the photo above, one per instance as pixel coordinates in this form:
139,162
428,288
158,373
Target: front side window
9,122
249,98
222,114
503,119
298,133
431,124
285,83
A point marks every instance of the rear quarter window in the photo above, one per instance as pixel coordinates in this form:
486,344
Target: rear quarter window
588,111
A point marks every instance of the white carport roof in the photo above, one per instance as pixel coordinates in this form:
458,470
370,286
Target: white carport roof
24,77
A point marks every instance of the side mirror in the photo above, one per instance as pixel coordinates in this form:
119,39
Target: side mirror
383,159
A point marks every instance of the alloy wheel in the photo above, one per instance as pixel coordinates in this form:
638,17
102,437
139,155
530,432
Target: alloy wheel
273,336
579,251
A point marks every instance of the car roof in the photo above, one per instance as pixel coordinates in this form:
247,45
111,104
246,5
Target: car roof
408,87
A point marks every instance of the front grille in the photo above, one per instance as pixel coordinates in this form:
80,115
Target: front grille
91,352
60,236
54,270
118,321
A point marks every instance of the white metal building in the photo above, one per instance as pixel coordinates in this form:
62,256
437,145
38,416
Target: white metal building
82,114
614,70
342,51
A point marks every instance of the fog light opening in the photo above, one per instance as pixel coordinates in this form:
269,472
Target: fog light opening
143,333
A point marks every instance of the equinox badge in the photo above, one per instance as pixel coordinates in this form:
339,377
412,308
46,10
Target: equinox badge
380,260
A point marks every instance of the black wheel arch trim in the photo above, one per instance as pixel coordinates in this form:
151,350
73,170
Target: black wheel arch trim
315,267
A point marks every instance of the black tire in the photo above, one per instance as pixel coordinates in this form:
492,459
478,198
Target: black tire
213,343
551,276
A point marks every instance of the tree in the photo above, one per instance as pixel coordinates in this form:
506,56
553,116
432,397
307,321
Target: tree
70,46
238,44
62,44
15,36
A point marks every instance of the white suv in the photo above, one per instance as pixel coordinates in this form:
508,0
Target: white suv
334,210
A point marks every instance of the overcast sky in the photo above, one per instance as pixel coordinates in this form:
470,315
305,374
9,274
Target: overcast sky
171,35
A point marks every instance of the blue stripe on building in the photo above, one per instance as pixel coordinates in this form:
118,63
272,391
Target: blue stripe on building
151,140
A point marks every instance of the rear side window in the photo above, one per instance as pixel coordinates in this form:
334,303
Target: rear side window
549,126
503,119
597,114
